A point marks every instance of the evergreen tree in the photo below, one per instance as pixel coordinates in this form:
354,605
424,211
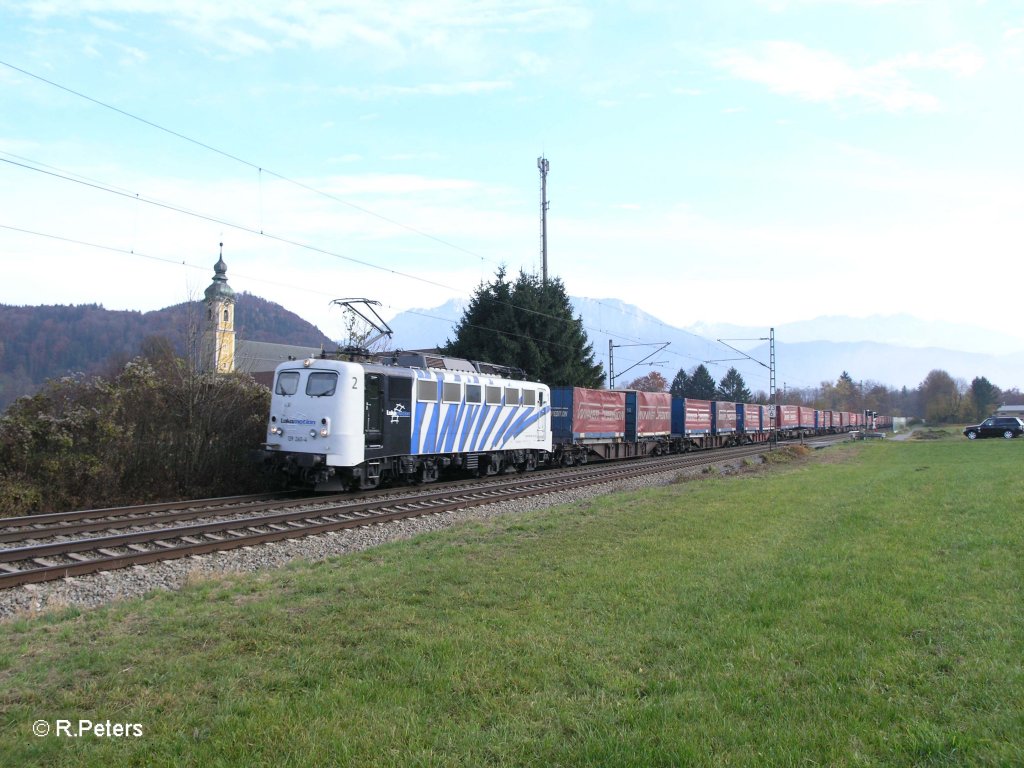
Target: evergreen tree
985,395
702,386
733,388
680,384
527,324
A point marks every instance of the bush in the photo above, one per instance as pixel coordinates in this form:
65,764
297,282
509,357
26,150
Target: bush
157,430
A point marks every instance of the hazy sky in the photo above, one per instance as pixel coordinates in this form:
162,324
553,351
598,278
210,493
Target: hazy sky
757,161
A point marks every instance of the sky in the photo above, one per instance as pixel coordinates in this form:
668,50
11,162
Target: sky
757,162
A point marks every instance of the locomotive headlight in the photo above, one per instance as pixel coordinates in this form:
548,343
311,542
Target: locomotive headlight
325,427
276,431
312,433
323,432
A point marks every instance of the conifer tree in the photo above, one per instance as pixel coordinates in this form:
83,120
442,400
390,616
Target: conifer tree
527,324
680,384
733,388
702,386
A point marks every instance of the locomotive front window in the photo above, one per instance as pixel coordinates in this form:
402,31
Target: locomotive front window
287,383
321,384
474,393
492,395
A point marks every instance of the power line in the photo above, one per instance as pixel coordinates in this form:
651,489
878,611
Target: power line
176,262
261,170
248,163
203,268
226,223
104,187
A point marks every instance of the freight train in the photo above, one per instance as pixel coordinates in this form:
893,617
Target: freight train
337,425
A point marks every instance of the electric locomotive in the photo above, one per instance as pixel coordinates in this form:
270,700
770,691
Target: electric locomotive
337,425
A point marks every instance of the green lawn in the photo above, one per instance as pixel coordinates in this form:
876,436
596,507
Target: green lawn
864,607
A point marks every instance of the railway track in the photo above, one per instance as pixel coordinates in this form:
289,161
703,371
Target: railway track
64,545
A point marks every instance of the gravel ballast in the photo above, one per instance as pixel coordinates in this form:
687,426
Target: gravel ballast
108,586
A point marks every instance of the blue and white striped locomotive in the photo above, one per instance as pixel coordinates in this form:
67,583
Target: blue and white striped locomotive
339,425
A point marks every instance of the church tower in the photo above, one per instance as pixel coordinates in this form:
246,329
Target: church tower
219,335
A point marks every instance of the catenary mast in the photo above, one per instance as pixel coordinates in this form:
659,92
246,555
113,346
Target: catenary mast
543,165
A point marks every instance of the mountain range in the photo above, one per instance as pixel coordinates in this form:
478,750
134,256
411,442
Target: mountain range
896,350
39,343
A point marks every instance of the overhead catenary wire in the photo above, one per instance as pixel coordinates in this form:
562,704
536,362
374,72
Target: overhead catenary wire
259,231
133,252
52,171
139,254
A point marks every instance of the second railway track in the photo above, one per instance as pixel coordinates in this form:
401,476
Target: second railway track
52,547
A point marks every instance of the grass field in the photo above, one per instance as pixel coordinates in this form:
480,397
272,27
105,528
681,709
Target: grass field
861,607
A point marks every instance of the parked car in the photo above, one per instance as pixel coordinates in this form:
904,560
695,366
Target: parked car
996,426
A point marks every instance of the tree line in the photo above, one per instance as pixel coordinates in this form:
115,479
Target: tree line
940,398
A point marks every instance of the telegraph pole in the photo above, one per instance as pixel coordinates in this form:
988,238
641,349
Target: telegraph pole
611,365
774,391
543,165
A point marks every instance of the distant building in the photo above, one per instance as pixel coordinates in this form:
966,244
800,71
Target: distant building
223,354
218,344
1010,410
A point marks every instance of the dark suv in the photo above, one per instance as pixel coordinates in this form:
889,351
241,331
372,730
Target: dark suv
996,426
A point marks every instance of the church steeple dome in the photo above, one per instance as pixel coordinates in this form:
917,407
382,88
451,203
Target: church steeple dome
219,288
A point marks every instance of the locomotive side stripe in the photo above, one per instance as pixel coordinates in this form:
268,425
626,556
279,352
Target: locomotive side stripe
442,421
521,424
484,439
430,438
453,414
472,411
417,427
474,444
504,427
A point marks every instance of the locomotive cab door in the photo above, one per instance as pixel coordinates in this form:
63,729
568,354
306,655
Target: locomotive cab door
374,403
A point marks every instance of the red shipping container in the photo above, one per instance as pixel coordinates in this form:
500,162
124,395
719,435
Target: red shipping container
725,418
806,418
751,418
789,417
653,413
598,412
691,417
